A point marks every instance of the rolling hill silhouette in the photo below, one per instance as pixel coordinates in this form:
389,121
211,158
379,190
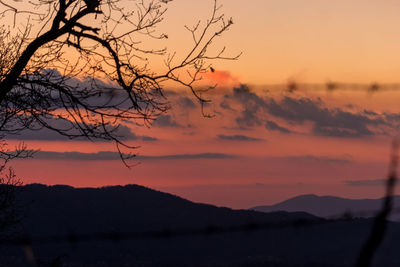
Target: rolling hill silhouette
64,210
331,207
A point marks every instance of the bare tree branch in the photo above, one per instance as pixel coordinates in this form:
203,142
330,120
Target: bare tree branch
84,64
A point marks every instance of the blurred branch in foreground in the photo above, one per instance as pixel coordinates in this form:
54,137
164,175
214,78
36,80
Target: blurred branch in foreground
380,224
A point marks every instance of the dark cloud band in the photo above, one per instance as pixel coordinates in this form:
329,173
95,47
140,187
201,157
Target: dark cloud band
109,155
237,138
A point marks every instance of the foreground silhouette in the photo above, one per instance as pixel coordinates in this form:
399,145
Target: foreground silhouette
78,213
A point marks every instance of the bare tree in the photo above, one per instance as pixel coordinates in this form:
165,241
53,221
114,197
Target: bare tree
81,67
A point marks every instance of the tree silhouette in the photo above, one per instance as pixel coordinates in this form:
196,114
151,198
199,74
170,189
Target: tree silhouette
81,67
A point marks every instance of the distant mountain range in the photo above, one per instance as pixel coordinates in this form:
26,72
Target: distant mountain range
291,239
331,207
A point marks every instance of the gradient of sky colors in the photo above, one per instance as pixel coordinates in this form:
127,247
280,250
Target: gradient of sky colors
264,144
310,41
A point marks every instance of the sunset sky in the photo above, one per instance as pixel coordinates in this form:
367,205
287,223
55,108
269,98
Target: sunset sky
263,143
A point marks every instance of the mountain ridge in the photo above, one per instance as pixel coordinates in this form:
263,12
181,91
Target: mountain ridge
295,239
330,206
128,206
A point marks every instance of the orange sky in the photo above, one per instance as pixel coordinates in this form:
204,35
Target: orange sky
226,160
310,41
264,144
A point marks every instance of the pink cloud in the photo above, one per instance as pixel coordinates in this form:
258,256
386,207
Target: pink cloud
222,78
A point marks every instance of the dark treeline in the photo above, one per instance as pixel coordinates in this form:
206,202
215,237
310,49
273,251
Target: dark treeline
69,212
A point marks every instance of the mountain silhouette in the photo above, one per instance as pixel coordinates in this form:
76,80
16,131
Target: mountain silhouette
125,208
330,206
298,239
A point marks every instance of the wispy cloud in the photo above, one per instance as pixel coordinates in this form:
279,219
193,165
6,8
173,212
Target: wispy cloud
110,155
166,121
273,126
313,158
237,138
327,122
296,110
45,134
186,102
